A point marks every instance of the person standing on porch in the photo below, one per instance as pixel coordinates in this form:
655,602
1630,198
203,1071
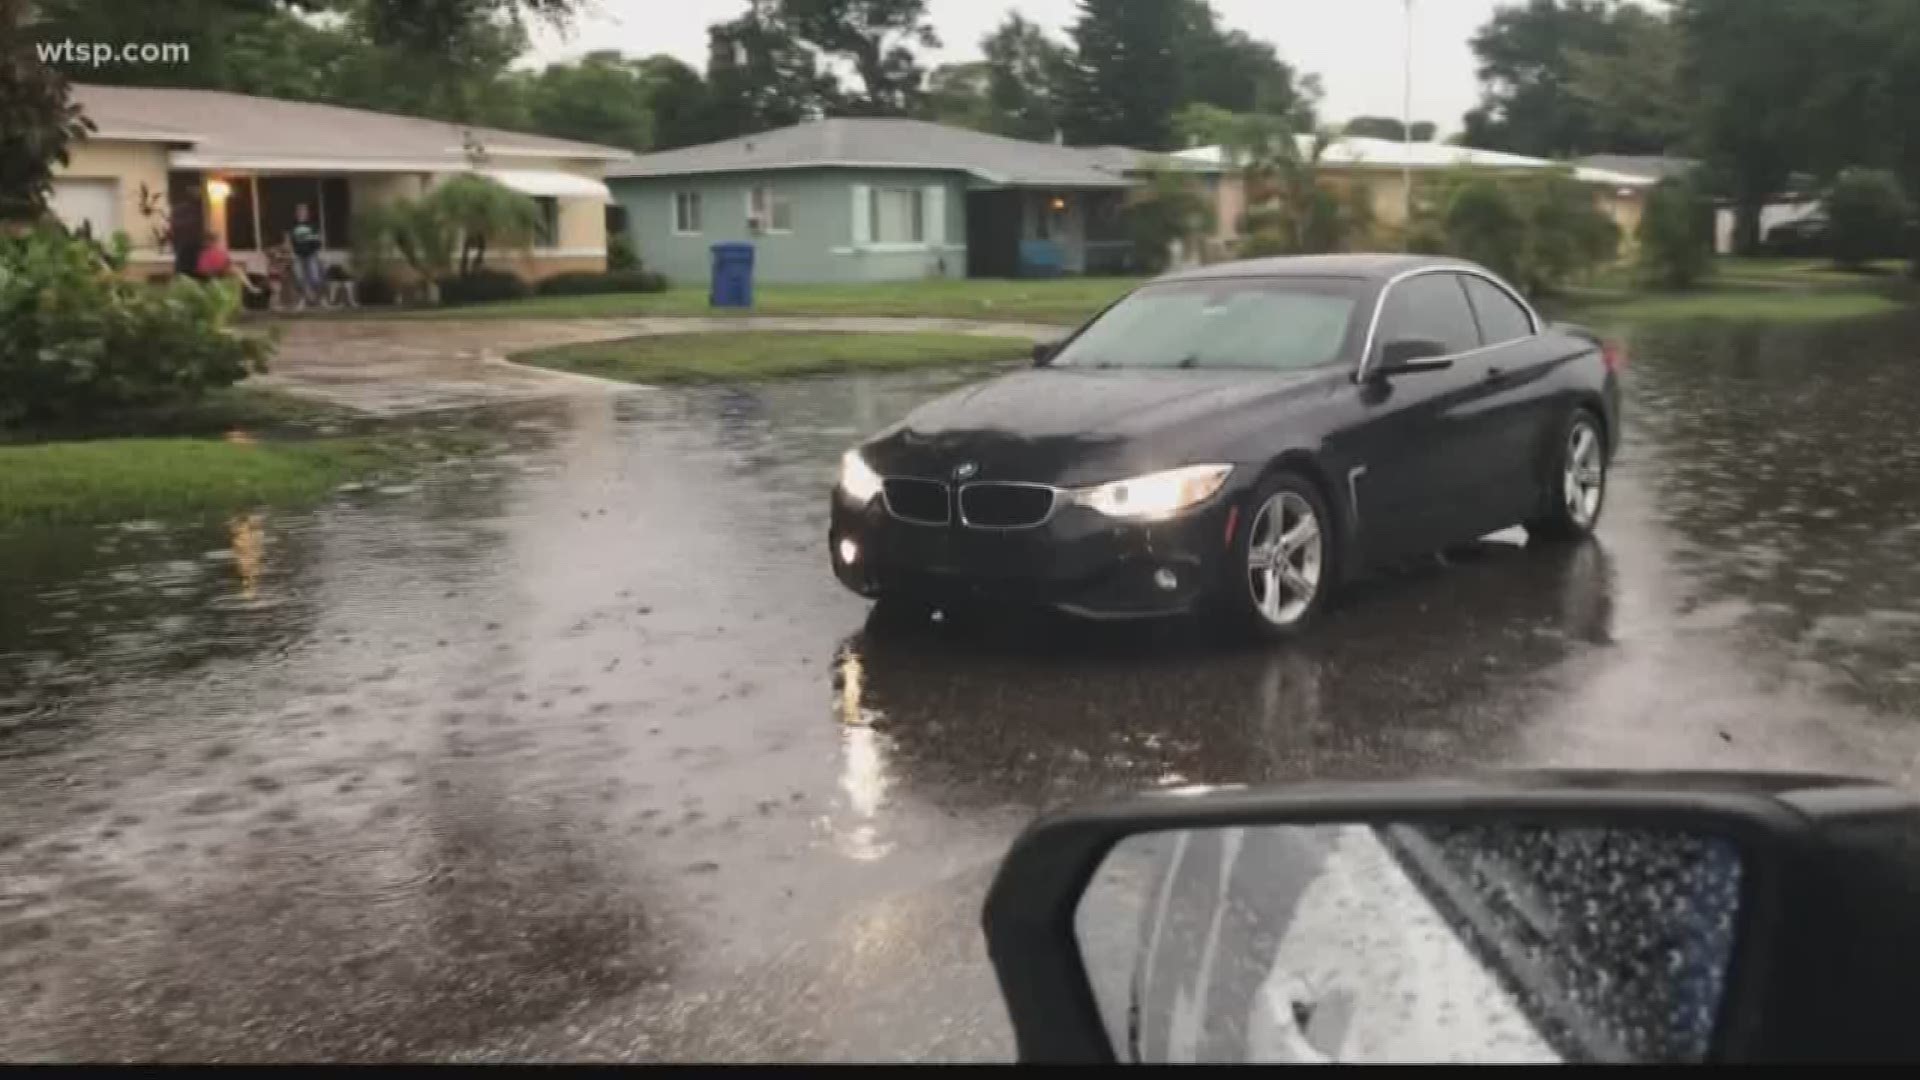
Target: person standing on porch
305,241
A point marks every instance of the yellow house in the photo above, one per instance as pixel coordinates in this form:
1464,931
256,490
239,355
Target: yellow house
241,165
1382,167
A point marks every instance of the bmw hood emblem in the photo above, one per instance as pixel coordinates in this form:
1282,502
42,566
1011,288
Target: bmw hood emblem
965,470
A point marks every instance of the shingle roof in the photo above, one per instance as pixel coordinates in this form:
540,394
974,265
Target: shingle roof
895,144
1648,165
1362,152
220,125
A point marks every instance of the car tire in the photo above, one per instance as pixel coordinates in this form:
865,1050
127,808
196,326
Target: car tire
1577,491
1303,561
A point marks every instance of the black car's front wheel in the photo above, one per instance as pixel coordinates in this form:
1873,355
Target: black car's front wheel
1282,564
1579,484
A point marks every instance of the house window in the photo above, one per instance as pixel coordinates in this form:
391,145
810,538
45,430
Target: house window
547,233
899,216
772,210
686,212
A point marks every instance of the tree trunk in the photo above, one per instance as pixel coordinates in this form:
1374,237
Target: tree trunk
1746,224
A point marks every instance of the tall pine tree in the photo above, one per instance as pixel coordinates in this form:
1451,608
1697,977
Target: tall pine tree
1126,79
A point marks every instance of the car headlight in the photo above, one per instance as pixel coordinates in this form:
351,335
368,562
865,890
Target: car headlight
858,479
1155,495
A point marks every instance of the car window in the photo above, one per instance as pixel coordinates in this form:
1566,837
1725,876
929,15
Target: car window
1429,306
1501,317
1281,323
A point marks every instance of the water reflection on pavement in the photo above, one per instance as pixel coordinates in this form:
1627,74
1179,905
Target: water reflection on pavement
579,750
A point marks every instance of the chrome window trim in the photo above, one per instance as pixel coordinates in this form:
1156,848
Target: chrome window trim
946,490
1380,305
960,506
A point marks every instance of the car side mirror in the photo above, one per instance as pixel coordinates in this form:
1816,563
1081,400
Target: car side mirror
1583,916
1043,351
1408,356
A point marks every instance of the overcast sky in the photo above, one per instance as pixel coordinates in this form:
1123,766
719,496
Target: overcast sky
1354,45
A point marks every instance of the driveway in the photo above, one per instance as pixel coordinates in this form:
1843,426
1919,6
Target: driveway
392,367
578,750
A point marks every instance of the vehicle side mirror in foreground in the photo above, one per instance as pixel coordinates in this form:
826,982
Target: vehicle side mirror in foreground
1407,356
1043,351
1564,916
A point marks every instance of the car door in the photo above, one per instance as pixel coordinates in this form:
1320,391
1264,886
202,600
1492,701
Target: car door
1413,446
1516,408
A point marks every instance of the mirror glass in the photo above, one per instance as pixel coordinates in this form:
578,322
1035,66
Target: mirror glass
1415,941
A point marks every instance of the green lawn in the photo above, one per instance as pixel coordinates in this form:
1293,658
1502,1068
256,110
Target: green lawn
1722,302
1058,300
1742,288
114,479
1820,272
738,357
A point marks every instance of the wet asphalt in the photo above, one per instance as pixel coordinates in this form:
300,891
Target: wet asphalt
577,750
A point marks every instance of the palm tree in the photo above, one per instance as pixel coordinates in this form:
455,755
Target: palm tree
1292,209
485,212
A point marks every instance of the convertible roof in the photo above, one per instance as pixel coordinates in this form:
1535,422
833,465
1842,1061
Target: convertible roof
1369,266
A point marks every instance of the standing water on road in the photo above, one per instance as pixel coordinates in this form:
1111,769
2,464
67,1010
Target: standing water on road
578,750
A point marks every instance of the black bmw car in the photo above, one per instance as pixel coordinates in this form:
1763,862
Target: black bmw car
1239,439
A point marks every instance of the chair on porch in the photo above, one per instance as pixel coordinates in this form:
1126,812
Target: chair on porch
1041,258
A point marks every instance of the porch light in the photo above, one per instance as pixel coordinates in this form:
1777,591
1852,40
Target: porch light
218,189
1059,204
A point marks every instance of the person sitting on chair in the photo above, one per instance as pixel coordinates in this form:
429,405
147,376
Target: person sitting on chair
215,262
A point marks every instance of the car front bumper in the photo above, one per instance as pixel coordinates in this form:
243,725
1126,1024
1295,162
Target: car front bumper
1079,561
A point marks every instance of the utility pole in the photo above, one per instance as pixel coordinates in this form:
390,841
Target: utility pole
1406,135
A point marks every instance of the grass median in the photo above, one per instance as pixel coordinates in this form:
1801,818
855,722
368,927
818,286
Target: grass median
741,357
119,479
1726,304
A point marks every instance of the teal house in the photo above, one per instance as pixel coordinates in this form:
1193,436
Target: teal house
849,200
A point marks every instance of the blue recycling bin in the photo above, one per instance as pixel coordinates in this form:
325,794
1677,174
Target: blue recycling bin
732,285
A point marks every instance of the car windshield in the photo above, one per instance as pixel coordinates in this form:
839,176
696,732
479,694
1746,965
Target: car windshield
1281,323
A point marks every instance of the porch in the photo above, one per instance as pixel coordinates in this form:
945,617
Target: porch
254,210
1046,232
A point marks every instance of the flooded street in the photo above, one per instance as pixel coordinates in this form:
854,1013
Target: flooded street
578,749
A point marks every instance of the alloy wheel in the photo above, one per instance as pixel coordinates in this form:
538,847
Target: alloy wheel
1583,482
1284,558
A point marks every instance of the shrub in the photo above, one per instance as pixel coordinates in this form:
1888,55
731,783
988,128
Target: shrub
1568,235
1483,223
376,289
482,287
485,213
1536,231
1866,212
589,282
415,231
1676,236
1169,206
621,254
81,341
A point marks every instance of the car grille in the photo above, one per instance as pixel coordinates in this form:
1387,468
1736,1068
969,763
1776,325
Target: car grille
920,501
1005,506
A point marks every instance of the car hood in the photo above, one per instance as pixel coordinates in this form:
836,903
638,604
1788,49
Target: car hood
1079,425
